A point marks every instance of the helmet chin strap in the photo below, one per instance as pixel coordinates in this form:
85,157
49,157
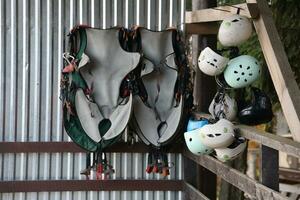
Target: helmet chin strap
222,84
233,52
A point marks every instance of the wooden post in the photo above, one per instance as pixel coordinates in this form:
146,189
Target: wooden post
280,70
205,86
204,90
269,167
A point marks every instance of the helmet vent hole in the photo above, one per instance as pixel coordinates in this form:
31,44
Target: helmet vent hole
191,139
243,73
235,72
218,134
210,135
215,60
238,79
250,74
235,20
245,80
258,71
241,66
248,67
256,63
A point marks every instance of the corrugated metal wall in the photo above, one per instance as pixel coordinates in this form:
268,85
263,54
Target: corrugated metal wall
32,35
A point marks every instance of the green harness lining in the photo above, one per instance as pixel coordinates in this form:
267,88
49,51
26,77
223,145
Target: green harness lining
73,126
83,43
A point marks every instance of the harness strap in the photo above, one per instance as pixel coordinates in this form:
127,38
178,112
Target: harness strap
183,71
219,99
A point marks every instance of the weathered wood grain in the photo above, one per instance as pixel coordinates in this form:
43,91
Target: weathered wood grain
209,28
191,193
219,13
56,147
291,175
243,182
271,140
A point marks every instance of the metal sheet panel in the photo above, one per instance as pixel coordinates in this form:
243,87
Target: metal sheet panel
32,35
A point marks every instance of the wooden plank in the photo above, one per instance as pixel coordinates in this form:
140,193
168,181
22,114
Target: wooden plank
289,174
192,193
39,147
295,189
282,75
243,182
209,28
91,185
269,167
271,140
55,147
219,13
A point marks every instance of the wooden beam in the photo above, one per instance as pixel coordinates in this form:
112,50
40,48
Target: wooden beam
243,182
56,147
192,193
271,140
90,185
209,28
220,13
282,75
289,174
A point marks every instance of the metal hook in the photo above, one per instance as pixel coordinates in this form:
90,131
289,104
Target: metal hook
66,57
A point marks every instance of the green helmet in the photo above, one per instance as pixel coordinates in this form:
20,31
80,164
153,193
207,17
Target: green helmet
242,71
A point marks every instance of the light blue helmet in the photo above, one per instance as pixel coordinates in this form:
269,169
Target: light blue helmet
194,143
242,71
195,124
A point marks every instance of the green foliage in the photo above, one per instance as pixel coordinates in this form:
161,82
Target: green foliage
287,18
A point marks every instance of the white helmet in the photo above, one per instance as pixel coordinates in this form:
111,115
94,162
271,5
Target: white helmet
234,30
232,151
223,106
211,63
218,135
